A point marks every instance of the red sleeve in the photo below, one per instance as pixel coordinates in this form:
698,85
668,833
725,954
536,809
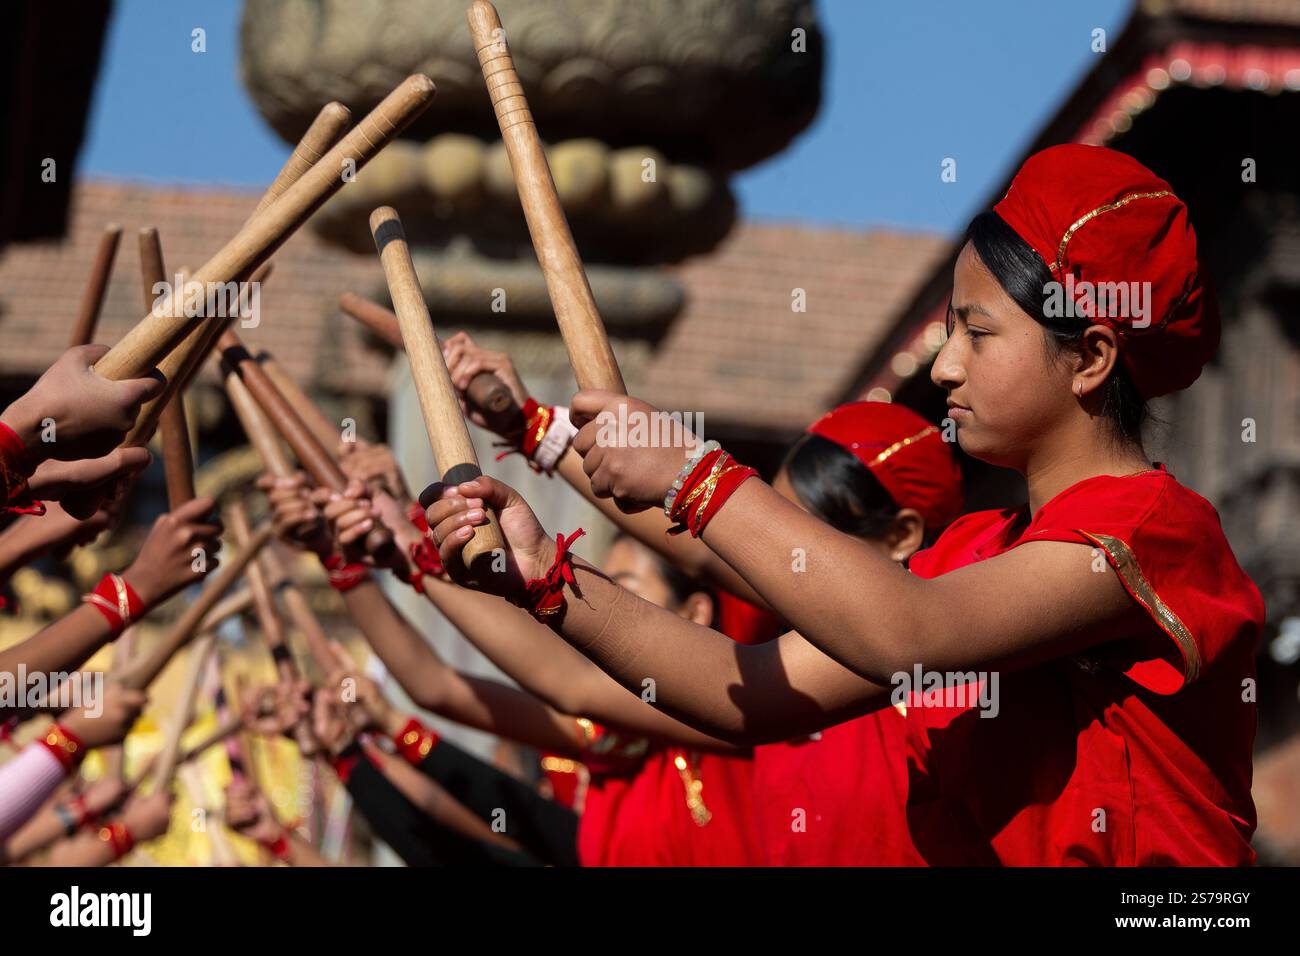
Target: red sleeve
1167,547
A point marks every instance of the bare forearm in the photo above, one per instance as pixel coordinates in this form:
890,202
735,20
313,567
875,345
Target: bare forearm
650,527
739,693
801,565
62,646
302,853
476,702
546,666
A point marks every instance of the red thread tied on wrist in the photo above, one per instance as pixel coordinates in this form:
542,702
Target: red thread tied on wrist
342,575
16,465
705,490
117,601
423,554
543,597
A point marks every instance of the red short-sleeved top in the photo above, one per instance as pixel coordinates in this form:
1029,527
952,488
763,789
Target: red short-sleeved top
1137,752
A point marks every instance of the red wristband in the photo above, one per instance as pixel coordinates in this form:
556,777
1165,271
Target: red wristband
65,745
546,436
705,490
117,836
543,597
414,741
342,575
116,600
82,814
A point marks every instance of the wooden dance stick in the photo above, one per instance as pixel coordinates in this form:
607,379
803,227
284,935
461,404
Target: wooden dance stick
439,404
326,129
594,365
159,332
322,429
169,755
315,460
178,456
92,299
486,392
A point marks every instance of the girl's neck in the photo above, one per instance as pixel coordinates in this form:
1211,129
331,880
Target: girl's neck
1051,470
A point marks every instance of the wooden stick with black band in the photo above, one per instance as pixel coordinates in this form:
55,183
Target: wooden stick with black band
594,365
439,404
92,300
486,392
178,456
315,460
161,331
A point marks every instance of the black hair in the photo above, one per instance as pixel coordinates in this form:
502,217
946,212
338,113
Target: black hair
838,488
1026,279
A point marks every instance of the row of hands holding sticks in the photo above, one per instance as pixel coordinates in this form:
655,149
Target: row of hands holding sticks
108,403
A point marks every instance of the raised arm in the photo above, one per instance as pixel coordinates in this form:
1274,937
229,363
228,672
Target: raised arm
163,566
466,360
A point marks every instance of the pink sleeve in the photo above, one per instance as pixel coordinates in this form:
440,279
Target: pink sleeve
26,782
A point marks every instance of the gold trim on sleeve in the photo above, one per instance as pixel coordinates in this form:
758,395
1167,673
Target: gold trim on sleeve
1126,566
1123,201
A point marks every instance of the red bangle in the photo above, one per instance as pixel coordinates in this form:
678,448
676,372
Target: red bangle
705,490
342,575
65,745
116,600
543,597
117,836
414,741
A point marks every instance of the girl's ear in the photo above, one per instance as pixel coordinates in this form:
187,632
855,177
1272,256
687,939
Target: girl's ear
1097,356
698,609
906,535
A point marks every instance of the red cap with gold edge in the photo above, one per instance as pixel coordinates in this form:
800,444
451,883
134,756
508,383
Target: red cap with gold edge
1097,215
903,451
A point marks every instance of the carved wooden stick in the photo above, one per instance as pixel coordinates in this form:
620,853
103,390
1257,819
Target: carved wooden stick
92,300
160,332
326,129
448,436
486,392
142,671
594,365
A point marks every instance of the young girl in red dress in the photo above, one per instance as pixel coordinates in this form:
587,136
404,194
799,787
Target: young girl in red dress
1106,628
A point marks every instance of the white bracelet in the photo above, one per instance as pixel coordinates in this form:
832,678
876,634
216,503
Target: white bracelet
556,441
691,462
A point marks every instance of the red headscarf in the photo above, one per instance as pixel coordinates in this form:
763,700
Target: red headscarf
903,451
1100,216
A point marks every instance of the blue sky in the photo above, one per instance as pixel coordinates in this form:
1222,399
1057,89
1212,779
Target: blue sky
908,84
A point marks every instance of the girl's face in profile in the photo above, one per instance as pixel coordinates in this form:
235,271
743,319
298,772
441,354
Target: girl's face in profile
1006,393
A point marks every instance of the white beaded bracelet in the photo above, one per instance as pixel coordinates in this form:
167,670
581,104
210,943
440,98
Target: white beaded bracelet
691,462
